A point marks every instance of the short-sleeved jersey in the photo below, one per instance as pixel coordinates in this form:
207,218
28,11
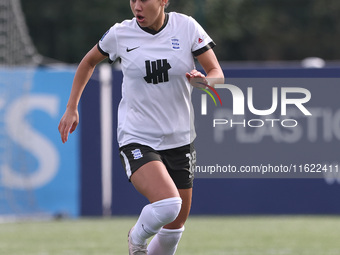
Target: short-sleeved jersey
156,108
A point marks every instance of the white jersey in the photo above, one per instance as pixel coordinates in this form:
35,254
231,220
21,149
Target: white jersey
156,109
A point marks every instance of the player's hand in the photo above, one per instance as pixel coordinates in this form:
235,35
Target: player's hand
197,79
68,123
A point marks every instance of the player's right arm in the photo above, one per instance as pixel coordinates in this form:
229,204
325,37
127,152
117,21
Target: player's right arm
70,119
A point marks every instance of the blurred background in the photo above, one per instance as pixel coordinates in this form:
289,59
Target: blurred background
41,42
244,30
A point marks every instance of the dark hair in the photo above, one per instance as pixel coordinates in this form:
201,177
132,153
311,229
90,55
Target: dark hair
167,4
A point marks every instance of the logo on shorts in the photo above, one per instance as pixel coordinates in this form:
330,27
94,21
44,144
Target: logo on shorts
192,162
137,154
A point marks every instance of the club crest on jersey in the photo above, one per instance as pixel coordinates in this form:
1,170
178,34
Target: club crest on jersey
137,154
175,43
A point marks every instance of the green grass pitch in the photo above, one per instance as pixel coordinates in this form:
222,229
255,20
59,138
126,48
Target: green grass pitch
262,235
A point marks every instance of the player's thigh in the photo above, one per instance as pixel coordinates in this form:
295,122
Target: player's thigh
154,182
186,195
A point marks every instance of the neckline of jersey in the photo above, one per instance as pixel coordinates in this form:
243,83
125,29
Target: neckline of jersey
154,32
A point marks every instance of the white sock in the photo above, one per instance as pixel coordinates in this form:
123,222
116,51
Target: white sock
165,242
153,217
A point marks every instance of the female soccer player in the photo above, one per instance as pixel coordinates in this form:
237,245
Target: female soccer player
155,115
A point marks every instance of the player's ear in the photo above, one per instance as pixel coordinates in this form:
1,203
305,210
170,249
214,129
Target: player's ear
165,3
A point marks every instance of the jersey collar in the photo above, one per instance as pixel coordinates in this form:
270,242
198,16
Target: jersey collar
153,32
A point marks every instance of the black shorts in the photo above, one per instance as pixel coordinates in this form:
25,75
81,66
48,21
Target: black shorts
180,162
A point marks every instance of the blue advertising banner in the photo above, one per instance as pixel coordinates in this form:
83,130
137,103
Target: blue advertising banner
269,128
38,174
290,158
270,145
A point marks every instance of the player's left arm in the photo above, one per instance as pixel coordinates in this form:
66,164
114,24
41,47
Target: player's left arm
211,67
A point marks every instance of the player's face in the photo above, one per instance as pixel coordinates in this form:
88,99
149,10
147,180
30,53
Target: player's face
149,13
